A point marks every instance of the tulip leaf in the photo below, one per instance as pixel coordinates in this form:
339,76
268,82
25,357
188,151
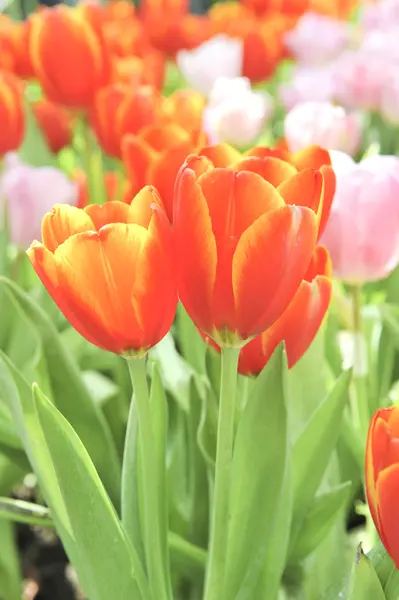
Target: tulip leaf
34,149
313,448
364,583
192,346
320,519
275,561
175,372
257,475
71,396
10,571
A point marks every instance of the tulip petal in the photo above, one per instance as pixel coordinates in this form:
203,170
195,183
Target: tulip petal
137,156
97,272
63,222
163,172
273,170
329,188
141,209
81,318
164,137
196,253
264,152
110,212
221,155
303,189
269,264
312,157
235,200
388,494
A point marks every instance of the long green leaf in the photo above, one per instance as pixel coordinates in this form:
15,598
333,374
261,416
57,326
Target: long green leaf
313,449
257,476
319,520
71,395
110,566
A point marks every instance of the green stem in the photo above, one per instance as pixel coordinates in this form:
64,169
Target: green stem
92,159
224,452
186,553
154,545
362,412
25,512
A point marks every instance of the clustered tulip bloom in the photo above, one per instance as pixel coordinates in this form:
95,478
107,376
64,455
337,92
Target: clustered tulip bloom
362,231
12,117
28,193
382,476
244,240
55,123
71,77
107,267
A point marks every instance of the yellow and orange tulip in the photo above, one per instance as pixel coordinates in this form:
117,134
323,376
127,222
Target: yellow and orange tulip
106,267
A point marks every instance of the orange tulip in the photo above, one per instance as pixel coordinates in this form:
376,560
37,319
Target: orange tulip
136,71
312,157
155,157
382,477
120,10
106,267
72,76
288,7
184,108
119,110
281,165
241,250
298,324
12,116
55,123
116,188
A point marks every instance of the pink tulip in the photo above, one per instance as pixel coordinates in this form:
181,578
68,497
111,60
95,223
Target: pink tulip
317,39
235,113
359,80
381,15
322,124
362,231
308,84
28,193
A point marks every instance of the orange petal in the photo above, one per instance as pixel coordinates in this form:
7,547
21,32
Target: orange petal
110,212
163,172
303,189
388,494
196,254
328,196
63,222
83,319
141,209
312,157
221,155
271,169
162,138
269,264
137,156
264,152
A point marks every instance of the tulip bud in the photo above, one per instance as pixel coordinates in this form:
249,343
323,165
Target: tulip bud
12,116
118,111
72,76
322,124
55,123
382,476
362,231
317,39
220,56
28,193
235,114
